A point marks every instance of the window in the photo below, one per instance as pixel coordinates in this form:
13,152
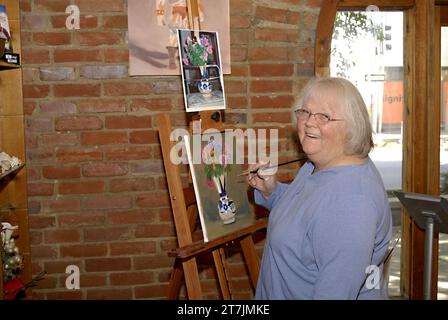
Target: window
367,49
443,238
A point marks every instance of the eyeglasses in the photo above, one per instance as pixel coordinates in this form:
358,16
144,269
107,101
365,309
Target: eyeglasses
321,118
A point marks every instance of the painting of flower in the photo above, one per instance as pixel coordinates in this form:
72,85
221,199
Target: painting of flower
216,158
221,193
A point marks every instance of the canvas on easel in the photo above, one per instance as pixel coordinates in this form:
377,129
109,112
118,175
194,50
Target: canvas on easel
221,191
184,214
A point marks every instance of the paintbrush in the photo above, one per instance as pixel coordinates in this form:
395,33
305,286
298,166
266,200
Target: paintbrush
246,172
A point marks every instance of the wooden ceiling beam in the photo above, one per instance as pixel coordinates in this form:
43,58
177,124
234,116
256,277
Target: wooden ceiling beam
324,34
381,4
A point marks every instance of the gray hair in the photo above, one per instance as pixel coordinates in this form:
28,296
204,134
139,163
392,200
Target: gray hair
358,137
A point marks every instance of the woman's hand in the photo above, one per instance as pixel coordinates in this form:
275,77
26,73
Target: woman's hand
264,179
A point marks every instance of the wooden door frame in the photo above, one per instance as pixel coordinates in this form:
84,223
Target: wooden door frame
421,135
326,20
443,14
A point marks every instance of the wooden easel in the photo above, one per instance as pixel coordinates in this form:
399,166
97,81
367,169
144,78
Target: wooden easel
183,204
185,216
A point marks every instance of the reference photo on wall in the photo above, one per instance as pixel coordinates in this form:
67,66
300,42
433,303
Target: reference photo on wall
201,70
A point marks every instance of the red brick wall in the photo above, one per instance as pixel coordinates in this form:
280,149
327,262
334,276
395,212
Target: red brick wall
97,189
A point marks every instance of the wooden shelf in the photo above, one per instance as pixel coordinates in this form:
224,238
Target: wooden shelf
5,65
12,172
13,183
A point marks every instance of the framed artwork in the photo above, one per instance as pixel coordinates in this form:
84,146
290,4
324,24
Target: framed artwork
202,79
152,33
221,193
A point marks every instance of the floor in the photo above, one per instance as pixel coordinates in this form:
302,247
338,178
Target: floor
394,271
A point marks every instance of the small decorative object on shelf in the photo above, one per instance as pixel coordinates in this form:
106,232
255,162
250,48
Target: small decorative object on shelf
12,58
5,32
12,261
7,162
12,264
2,47
6,50
15,288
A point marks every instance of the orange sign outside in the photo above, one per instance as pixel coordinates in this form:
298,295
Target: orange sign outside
393,101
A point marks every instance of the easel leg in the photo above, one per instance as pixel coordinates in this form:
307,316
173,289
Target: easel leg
251,257
190,269
219,258
178,273
192,279
175,280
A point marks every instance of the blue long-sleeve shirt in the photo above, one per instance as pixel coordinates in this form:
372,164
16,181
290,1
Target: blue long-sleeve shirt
324,230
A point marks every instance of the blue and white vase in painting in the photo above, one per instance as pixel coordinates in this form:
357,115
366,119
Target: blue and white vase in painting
227,209
204,86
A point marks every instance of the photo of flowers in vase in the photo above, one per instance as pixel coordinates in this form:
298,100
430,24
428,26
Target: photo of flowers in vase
221,192
201,70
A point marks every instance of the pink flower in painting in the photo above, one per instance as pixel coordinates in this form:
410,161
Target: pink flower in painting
210,49
210,184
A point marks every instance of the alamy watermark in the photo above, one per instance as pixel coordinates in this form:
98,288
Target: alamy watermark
72,282
373,277
73,20
372,8
228,147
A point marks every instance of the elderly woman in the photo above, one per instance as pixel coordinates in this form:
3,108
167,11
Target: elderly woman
330,228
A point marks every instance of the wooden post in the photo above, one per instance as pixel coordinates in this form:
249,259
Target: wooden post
421,138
